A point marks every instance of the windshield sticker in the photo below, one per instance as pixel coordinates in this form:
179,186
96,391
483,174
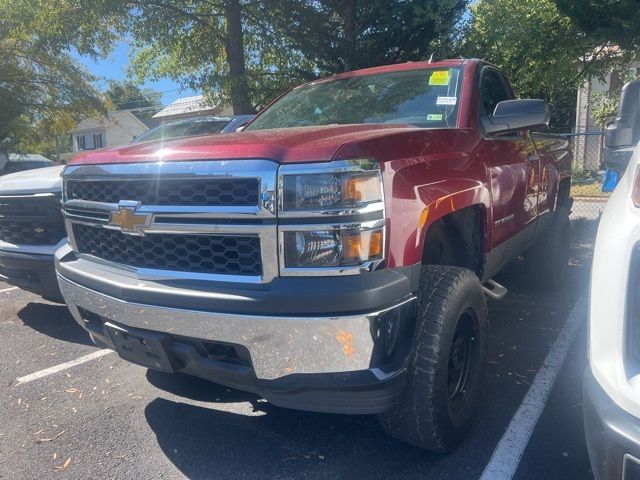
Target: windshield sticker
440,77
447,100
434,117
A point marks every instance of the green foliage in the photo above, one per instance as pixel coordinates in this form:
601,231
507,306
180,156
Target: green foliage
245,51
541,50
338,35
190,49
604,106
615,21
40,88
37,137
126,94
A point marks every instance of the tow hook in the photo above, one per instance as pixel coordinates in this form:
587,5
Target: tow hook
494,290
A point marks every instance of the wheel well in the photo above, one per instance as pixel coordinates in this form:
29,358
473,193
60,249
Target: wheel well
457,239
564,193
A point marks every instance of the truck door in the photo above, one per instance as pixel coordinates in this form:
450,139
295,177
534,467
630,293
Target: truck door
514,173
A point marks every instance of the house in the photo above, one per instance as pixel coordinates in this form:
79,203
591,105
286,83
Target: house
589,139
189,107
119,127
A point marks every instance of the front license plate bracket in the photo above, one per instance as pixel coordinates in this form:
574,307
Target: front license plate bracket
148,349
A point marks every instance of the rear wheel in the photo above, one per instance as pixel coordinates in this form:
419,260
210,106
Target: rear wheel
444,373
547,261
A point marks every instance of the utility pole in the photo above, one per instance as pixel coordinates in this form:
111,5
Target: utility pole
57,149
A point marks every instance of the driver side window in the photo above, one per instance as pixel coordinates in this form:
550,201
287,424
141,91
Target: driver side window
492,91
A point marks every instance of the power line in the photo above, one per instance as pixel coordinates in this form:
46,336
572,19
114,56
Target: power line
145,99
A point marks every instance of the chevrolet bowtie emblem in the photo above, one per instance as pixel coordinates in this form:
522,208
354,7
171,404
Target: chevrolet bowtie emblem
127,219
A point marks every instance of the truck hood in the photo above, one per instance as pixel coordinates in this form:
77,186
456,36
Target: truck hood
38,180
284,145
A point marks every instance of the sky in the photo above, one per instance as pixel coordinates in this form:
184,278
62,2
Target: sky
114,67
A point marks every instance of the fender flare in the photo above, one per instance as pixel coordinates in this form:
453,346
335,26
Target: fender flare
443,198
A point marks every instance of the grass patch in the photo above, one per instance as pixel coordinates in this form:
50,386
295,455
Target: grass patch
588,190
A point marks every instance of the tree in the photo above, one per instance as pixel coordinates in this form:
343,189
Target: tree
216,46
39,87
126,94
604,105
615,21
245,50
340,35
541,50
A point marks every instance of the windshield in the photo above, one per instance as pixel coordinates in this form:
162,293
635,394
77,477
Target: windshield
424,98
185,129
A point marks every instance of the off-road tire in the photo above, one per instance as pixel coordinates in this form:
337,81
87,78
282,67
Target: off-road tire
547,261
424,416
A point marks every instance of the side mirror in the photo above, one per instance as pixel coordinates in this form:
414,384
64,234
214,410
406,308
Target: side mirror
241,127
513,115
623,134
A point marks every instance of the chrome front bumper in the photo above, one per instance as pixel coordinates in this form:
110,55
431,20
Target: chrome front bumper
278,345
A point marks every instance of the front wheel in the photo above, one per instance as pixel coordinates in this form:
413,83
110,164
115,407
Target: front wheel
444,374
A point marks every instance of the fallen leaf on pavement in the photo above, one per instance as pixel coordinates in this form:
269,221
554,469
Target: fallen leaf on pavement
65,465
42,440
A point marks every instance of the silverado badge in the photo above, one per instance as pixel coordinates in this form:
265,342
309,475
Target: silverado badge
127,219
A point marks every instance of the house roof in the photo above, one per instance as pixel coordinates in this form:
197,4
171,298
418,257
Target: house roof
187,105
150,122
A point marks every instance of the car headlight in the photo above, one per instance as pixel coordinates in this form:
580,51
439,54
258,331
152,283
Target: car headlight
331,191
332,248
330,188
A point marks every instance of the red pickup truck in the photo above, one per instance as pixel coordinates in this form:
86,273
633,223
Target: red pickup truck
335,255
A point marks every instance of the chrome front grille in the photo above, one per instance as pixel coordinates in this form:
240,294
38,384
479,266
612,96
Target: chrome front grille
211,220
167,191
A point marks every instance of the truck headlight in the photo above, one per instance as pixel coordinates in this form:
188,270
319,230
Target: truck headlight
332,248
330,217
326,188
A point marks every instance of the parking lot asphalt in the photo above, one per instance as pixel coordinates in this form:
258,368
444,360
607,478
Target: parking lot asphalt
106,418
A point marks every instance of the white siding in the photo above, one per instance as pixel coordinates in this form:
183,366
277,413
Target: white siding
119,128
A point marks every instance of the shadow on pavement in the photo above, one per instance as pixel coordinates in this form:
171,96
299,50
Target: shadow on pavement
54,321
197,389
227,440
277,443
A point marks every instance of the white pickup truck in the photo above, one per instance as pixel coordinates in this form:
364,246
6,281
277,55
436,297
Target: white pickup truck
612,381
31,229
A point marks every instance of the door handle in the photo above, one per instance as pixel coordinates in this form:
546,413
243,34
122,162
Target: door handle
534,157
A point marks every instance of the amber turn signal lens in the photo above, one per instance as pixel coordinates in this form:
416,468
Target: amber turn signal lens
362,246
375,244
361,188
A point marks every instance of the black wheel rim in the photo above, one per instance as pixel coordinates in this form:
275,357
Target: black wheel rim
462,361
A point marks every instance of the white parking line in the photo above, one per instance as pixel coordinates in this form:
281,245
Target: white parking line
63,366
506,457
8,289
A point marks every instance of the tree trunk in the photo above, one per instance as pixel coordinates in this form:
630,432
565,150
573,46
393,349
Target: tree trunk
235,58
349,24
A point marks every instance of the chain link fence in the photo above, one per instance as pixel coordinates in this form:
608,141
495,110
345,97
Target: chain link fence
587,172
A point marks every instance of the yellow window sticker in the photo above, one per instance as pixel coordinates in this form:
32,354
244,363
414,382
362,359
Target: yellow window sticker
439,77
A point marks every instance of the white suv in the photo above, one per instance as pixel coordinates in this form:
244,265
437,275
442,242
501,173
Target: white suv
612,383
